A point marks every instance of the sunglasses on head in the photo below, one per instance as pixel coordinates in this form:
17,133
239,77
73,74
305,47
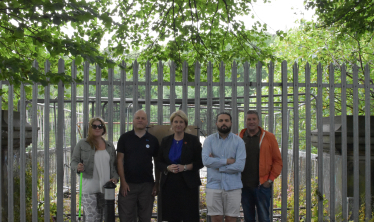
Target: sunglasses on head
97,126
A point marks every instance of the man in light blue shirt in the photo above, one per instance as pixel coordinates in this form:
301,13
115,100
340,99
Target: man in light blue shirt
224,156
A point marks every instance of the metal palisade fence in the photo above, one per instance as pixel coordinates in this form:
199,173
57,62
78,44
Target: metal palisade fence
293,106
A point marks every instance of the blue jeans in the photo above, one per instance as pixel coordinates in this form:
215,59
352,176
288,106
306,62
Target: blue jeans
259,198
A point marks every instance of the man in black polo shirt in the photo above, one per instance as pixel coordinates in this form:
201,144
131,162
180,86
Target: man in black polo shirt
138,189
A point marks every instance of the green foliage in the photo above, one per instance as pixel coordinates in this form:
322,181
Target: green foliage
350,16
28,193
277,200
312,45
33,30
152,30
178,31
362,215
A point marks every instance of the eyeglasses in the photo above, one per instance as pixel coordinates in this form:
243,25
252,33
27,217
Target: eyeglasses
97,126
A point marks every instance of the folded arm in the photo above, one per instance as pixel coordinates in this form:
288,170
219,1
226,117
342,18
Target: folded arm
239,164
209,160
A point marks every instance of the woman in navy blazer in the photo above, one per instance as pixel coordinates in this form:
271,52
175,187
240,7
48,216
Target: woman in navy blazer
179,161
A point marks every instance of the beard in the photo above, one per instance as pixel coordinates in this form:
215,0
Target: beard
225,130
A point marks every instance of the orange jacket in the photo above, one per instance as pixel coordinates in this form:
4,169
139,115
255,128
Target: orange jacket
270,158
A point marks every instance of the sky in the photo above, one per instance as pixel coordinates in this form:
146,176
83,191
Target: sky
279,14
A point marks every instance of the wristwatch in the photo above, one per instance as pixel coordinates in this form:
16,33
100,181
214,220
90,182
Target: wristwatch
185,168
270,181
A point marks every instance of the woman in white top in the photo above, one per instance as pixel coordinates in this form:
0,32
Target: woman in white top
95,158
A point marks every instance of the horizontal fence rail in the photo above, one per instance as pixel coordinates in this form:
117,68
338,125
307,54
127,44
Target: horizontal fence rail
321,119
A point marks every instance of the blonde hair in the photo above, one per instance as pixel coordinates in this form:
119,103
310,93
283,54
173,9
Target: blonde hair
90,137
181,114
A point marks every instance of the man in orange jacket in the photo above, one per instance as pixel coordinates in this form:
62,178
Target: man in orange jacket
262,166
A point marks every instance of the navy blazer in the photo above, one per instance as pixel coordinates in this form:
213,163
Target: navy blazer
191,153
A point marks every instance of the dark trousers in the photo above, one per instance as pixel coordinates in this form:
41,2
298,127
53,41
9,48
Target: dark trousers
139,197
256,198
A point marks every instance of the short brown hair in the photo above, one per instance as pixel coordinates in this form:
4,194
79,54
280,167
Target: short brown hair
253,112
224,113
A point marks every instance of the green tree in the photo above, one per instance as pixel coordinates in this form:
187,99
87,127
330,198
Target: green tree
313,44
33,30
200,30
352,16
178,30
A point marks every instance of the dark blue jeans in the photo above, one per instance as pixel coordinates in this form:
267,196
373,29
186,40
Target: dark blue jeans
259,198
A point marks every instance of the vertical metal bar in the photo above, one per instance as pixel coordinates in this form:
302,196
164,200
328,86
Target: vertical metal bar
271,118
197,97
271,97
295,147
308,147
320,141
98,92
222,87
209,111
110,104
148,90
34,148
93,109
10,154
258,90
332,142
185,87
73,139
135,93
172,87
234,101
344,141
123,98
60,145
284,141
46,146
22,154
160,112
197,105
367,146
356,155
246,88
160,119
86,94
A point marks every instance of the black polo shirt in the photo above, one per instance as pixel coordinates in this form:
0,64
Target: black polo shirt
138,153
251,172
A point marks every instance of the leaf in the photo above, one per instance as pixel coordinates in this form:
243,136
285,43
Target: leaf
19,33
57,20
78,60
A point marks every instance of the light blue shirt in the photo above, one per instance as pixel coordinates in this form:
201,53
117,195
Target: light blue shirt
221,175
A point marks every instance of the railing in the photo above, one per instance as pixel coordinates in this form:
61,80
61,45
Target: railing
236,96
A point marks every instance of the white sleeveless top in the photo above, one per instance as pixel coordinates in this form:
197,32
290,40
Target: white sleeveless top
101,173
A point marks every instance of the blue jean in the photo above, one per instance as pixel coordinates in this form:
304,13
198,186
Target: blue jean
259,198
